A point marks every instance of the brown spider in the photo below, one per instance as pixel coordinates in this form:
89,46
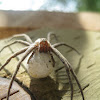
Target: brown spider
40,52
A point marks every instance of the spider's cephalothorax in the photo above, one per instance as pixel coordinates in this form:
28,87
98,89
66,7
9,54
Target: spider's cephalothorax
40,61
43,45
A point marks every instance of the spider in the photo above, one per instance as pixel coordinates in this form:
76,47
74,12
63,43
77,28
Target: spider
40,62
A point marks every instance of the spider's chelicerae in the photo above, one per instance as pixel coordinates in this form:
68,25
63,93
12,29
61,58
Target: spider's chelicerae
40,61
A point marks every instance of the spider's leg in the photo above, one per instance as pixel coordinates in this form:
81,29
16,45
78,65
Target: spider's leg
64,44
68,66
18,66
28,39
73,73
17,41
49,36
67,70
14,55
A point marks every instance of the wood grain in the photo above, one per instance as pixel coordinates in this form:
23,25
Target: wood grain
17,93
40,19
12,22
56,85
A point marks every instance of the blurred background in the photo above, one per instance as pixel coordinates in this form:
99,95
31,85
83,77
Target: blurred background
51,5
70,14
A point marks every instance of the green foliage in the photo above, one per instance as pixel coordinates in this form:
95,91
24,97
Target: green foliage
88,5
81,5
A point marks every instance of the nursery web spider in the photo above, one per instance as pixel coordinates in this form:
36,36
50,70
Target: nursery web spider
40,52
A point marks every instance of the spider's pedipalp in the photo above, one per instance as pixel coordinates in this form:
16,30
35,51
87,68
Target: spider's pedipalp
17,41
68,67
29,50
64,44
28,39
14,55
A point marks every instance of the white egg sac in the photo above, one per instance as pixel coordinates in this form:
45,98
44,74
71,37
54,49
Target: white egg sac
40,65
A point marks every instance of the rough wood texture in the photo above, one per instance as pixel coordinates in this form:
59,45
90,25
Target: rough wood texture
86,67
17,93
12,22
9,31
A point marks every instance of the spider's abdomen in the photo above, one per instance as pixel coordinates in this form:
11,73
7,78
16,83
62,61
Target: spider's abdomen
40,65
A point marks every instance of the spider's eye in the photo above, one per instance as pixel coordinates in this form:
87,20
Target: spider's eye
49,60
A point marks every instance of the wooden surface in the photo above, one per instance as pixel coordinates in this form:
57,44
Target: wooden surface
39,19
12,22
17,93
86,68
9,31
